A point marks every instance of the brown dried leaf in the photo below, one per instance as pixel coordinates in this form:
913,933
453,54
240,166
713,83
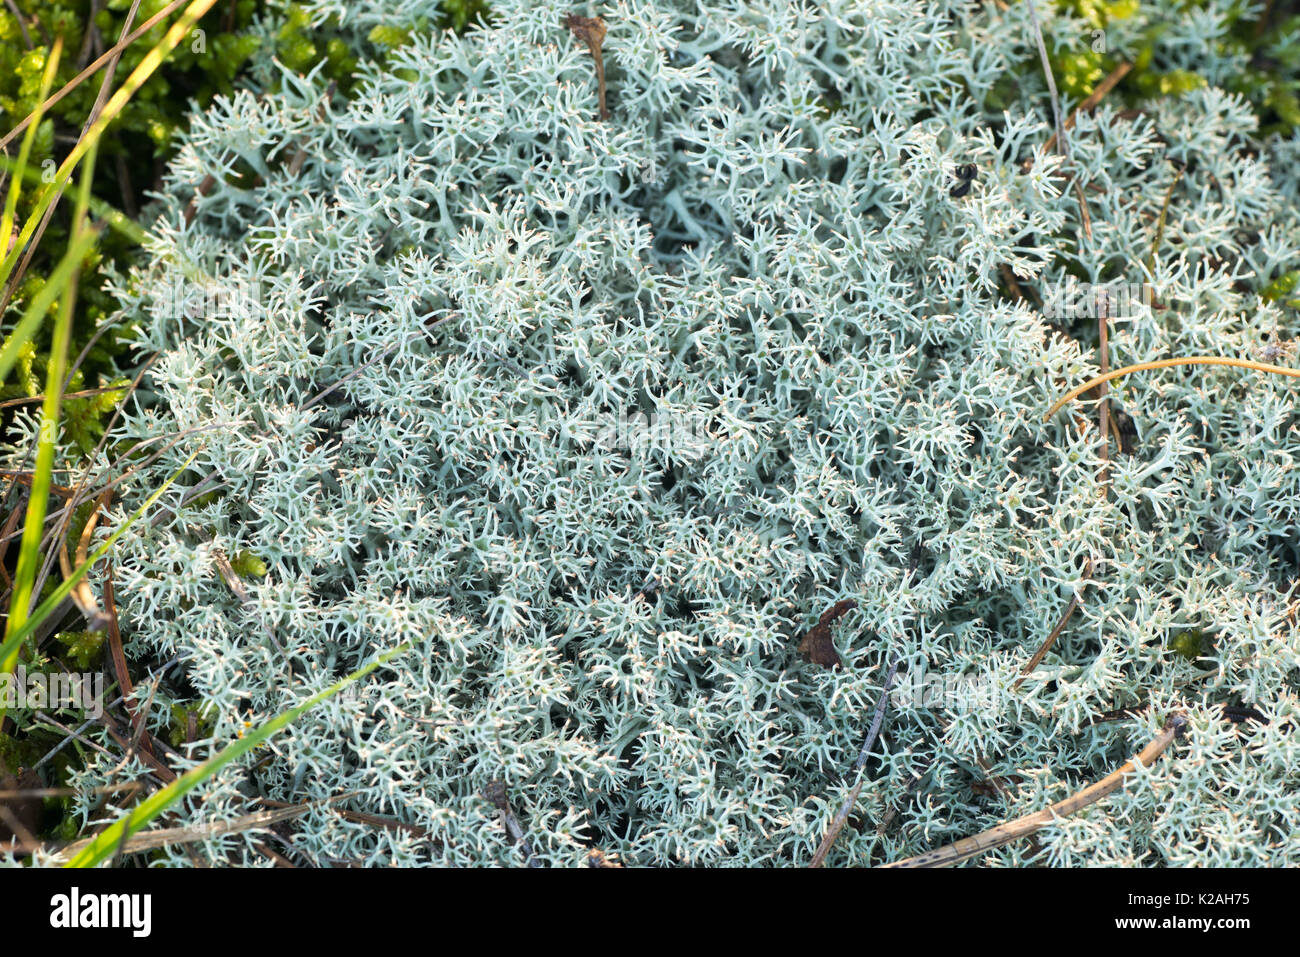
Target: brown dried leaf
1127,430
817,646
590,30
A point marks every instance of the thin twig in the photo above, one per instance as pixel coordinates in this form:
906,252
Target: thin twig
969,847
1095,97
1165,364
1061,142
1083,210
83,394
859,765
118,656
152,840
42,793
389,823
91,34
1160,224
22,25
495,792
1103,406
842,817
1046,646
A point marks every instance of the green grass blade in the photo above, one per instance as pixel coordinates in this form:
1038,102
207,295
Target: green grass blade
106,843
110,215
25,150
40,304
179,31
14,641
29,549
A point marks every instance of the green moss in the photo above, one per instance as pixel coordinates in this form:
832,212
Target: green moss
247,565
82,648
390,36
1080,67
179,731
459,14
1099,13
1282,287
1271,82
138,140
1189,643
130,155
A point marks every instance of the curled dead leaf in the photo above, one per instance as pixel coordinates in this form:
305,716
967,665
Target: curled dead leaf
817,646
591,31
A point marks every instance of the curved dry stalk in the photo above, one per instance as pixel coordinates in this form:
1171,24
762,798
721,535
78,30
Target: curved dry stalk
1061,142
969,847
1160,224
83,596
1047,644
1164,364
152,840
591,31
1097,95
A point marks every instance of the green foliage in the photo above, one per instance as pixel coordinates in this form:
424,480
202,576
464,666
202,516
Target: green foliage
1085,52
300,46
247,565
82,648
1258,59
205,65
189,723
1190,643
1271,79
1283,286
460,14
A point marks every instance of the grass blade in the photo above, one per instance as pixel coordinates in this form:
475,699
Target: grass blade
13,641
105,844
25,150
29,549
152,60
40,304
108,214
